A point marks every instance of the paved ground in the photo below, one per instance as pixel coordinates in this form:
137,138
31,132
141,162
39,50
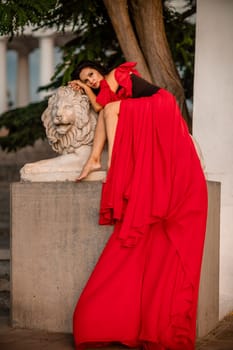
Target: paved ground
221,338
24,339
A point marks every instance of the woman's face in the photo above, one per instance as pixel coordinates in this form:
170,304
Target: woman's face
91,77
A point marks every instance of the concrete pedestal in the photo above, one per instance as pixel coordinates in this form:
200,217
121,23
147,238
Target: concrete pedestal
55,243
213,122
208,305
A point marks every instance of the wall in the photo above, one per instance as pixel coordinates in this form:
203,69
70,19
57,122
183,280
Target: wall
213,120
10,164
55,242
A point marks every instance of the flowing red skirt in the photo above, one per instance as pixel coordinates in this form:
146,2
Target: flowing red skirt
144,288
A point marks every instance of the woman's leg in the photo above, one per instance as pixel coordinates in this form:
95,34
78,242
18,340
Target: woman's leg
111,113
106,127
94,160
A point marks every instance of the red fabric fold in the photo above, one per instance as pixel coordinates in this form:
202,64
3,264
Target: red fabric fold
144,287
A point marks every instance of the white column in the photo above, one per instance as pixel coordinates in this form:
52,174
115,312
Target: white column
23,79
213,120
3,74
46,45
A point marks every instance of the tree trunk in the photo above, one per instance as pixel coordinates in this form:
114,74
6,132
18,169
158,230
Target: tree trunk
119,15
148,20
148,45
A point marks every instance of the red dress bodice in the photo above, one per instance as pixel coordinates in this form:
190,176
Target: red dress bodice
122,76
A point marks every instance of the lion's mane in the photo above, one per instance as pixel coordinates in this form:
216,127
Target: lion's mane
81,131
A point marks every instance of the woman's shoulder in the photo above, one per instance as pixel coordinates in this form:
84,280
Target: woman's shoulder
126,68
123,69
127,65
119,77
123,72
110,75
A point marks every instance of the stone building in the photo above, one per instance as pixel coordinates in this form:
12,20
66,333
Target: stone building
44,40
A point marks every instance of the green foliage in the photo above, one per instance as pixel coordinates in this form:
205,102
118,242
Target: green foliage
16,14
24,125
94,34
94,39
180,32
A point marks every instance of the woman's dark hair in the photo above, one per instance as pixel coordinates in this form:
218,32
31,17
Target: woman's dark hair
88,64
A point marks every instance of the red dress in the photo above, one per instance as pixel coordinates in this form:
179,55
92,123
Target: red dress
144,288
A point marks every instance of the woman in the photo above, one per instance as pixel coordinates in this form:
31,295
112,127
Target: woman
143,291
94,79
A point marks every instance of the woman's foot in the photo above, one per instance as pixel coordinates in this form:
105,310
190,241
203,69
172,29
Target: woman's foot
90,166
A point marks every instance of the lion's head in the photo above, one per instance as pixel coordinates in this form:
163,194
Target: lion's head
69,120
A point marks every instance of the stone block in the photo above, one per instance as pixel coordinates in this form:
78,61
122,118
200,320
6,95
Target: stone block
56,241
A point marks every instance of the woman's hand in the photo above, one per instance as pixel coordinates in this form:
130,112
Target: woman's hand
77,85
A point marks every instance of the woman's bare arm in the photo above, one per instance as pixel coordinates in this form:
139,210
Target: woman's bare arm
78,84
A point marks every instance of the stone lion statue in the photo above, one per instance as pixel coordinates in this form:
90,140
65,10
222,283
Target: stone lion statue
69,122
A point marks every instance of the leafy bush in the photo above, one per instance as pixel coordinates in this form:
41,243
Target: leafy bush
24,126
